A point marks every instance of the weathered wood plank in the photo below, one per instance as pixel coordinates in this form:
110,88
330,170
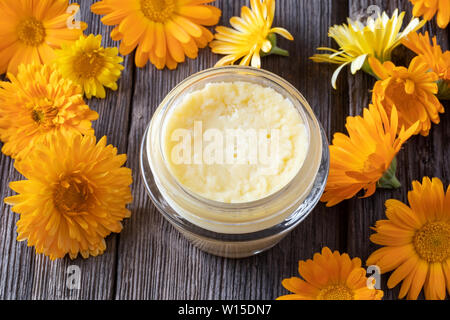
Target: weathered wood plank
16,260
421,156
155,262
150,259
24,275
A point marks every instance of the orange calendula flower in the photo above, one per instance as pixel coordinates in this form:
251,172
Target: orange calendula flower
429,8
252,36
39,101
31,30
365,159
163,31
74,196
411,90
416,240
432,55
331,276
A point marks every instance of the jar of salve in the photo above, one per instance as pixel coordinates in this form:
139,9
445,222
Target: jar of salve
234,158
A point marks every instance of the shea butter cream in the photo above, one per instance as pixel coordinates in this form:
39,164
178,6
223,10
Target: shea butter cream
234,158
235,141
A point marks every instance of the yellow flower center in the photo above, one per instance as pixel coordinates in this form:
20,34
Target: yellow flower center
37,115
44,113
157,10
31,32
335,292
89,64
432,242
71,195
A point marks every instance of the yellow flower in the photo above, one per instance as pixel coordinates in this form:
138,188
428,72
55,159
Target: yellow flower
38,101
428,8
74,196
331,276
164,31
357,41
31,30
91,66
252,36
365,158
416,240
432,55
411,90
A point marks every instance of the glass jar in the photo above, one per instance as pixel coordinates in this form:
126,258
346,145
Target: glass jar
234,230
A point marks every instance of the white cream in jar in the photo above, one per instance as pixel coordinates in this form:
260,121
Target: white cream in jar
234,209
234,142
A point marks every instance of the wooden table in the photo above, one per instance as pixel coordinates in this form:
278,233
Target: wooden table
149,259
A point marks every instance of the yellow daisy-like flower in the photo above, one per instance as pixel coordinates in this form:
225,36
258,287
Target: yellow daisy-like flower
252,36
411,90
331,276
91,66
416,240
31,30
376,38
39,101
433,56
365,158
428,8
75,195
164,31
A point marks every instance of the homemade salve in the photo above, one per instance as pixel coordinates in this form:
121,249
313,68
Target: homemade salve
234,158
234,141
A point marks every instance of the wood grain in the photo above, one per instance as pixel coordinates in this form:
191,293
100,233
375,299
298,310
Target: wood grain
149,259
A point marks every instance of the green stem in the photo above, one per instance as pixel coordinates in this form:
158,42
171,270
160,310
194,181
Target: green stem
444,90
389,180
275,50
279,51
